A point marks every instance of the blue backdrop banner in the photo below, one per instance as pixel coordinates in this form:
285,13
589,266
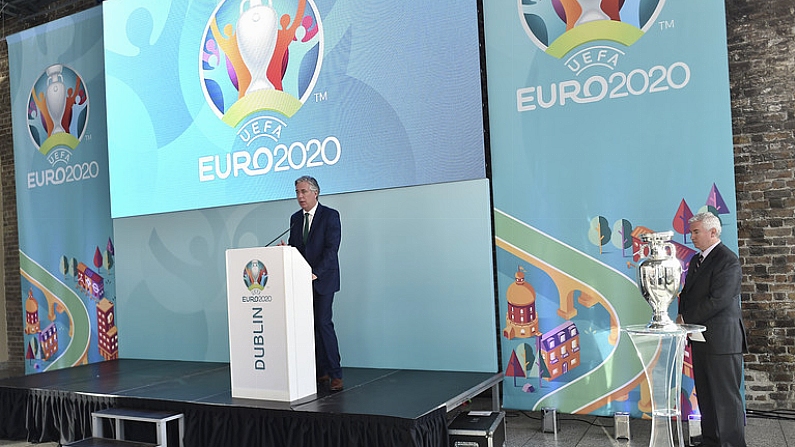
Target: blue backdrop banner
607,120
66,250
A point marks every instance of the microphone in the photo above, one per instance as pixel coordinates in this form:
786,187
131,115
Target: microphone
279,236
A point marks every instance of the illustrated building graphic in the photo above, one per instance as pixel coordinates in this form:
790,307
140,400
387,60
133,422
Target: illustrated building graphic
90,282
48,341
521,320
32,323
108,334
560,349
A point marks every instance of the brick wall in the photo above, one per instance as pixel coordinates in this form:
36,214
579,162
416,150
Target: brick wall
761,42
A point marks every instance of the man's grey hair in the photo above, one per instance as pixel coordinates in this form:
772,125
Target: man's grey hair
708,222
313,186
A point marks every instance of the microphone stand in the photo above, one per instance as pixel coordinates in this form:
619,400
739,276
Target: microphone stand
277,237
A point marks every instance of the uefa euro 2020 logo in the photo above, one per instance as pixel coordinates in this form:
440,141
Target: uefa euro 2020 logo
255,276
559,26
260,56
57,113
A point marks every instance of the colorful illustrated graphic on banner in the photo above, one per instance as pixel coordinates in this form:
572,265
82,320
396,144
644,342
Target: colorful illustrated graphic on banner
603,117
58,112
260,57
559,26
72,312
584,327
255,276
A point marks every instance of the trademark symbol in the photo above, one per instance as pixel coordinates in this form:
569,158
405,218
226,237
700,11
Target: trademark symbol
666,24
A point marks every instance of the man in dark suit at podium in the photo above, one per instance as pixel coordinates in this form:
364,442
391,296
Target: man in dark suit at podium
711,297
315,231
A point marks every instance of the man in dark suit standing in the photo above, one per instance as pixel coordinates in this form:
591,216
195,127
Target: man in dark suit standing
315,231
711,297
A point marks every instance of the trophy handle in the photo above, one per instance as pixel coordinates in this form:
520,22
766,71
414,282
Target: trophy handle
251,4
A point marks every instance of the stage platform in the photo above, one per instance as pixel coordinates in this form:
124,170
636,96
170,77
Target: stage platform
378,407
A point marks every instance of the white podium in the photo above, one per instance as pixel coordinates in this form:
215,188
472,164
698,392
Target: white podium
271,324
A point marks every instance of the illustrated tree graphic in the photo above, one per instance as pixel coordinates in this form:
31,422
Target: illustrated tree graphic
599,233
543,368
107,260
64,266
527,356
514,368
622,235
97,259
715,200
681,220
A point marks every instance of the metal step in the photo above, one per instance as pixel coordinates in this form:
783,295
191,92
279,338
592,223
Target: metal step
105,442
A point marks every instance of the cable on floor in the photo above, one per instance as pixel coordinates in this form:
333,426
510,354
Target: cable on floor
510,414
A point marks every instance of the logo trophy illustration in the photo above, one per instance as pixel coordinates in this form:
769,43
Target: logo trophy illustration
256,36
587,22
56,96
659,278
591,12
255,275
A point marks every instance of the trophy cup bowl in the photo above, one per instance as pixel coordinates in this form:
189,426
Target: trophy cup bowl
659,278
257,33
591,12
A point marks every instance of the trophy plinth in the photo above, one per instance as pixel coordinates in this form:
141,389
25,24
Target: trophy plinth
659,278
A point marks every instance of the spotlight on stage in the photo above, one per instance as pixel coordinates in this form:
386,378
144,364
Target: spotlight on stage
550,421
621,425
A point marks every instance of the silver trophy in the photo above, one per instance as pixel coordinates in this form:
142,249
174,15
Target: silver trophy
56,97
257,33
659,278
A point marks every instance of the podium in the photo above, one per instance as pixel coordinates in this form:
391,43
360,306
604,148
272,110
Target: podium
271,324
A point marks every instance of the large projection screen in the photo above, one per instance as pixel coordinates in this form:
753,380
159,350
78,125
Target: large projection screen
367,95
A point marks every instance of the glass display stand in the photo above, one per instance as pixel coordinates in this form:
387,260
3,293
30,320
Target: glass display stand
662,351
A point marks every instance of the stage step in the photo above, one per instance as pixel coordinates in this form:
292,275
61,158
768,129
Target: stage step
119,415
104,442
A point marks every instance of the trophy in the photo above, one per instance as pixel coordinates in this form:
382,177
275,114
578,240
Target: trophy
659,278
591,12
55,95
256,40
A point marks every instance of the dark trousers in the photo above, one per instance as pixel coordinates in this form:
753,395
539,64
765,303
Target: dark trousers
718,379
327,351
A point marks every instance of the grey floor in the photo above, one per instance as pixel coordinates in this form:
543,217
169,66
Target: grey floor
524,430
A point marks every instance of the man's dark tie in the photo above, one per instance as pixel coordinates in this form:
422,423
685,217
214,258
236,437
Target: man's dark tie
698,263
306,226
